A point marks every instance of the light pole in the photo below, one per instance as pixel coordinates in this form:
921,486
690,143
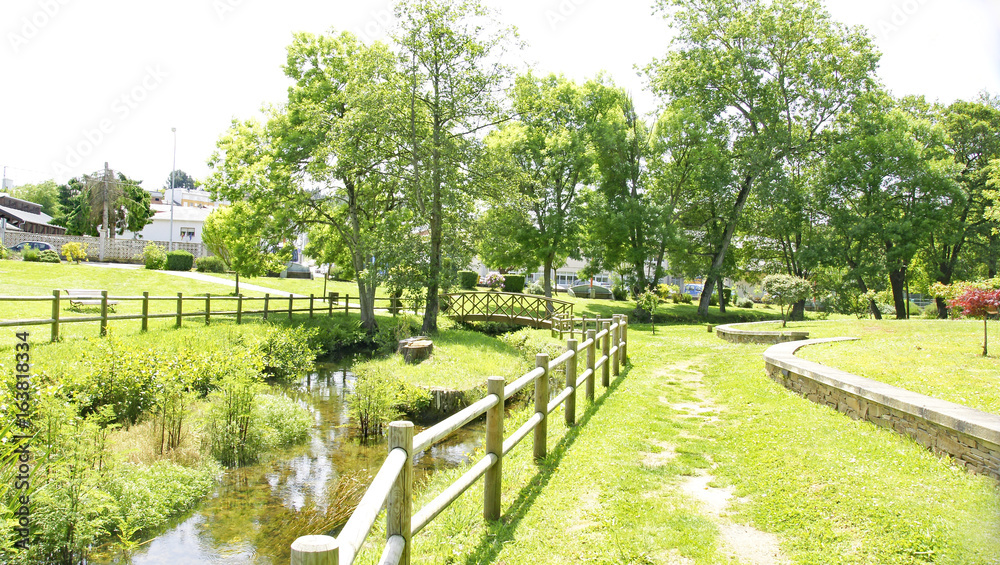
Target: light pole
172,169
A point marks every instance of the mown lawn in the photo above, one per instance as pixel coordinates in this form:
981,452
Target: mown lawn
831,489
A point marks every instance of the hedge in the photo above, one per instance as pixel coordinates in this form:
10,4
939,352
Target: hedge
210,264
179,260
513,283
468,279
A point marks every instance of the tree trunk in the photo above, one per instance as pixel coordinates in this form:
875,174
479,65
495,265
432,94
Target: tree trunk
897,279
727,237
547,282
872,306
722,297
798,311
366,299
434,276
984,334
237,284
942,308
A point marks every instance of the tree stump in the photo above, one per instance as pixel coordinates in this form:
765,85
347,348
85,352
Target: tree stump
415,349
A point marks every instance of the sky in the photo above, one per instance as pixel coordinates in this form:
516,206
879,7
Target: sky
84,83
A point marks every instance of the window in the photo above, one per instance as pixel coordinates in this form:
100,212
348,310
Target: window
187,233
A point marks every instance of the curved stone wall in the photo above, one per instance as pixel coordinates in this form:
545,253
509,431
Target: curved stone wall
739,333
971,437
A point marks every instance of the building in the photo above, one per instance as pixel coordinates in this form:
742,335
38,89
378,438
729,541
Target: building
188,197
187,225
27,216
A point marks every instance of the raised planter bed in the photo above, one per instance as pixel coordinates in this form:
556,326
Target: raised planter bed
745,333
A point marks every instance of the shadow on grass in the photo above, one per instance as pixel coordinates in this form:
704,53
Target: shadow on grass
502,531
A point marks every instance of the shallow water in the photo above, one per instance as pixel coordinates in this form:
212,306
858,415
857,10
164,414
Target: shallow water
249,515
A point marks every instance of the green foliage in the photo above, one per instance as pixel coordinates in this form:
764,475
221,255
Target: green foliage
746,303
391,332
667,291
30,254
179,260
44,193
374,402
210,264
536,288
116,376
82,204
513,283
336,335
49,256
243,240
467,280
74,251
786,290
645,306
233,426
285,421
682,298
4,252
154,256
285,352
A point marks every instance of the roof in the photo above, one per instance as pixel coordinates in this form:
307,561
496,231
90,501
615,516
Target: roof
41,218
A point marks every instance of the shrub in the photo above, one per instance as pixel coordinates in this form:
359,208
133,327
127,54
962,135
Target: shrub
154,256
513,283
746,303
30,255
236,436
645,306
287,352
727,293
536,288
374,402
468,279
681,298
179,260
49,256
786,290
494,281
285,421
667,291
74,251
929,312
210,264
619,291
4,252
713,300
978,303
391,332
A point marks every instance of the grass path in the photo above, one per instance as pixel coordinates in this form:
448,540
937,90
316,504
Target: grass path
695,457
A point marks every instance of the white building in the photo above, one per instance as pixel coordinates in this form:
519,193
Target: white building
187,224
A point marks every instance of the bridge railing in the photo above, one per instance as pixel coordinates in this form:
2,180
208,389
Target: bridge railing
392,486
529,309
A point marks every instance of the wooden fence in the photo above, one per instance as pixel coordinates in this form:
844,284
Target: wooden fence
523,309
392,486
206,306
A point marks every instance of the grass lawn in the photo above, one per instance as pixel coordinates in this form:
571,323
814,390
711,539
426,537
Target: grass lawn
696,410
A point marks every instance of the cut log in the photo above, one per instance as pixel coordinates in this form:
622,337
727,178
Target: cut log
417,351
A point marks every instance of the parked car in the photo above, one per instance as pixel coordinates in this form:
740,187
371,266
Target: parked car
583,291
694,289
39,245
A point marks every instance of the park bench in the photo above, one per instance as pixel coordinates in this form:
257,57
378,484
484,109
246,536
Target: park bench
80,297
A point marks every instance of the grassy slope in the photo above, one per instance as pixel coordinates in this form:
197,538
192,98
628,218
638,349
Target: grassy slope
833,490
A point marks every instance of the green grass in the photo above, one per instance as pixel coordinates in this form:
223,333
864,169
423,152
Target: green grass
832,489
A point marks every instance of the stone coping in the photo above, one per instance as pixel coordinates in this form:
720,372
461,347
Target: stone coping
975,423
735,333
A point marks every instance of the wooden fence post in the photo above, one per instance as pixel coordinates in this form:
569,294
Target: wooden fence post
542,404
55,315
267,299
291,298
493,483
180,308
616,344
104,313
312,304
239,309
606,354
329,302
347,303
315,550
591,354
208,308
399,506
145,311
624,339
571,364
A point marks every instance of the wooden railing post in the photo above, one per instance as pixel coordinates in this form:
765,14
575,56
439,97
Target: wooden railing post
145,311
55,315
493,482
267,300
399,506
315,550
591,361
180,309
312,303
291,298
208,308
239,309
104,313
624,346
542,404
616,344
329,302
606,353
347,303
571,345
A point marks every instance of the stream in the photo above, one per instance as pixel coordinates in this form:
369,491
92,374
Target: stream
256,508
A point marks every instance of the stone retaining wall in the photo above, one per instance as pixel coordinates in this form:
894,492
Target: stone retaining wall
971,437
734,334
116,250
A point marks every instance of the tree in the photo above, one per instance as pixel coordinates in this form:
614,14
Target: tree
240,238
773,75
329,161
82,202
45,194
978,303
786,290
543,160
180,179
451,50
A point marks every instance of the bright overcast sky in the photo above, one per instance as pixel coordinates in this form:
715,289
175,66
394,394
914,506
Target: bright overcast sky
106,80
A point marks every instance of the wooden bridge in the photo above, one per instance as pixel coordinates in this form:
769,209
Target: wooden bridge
507,307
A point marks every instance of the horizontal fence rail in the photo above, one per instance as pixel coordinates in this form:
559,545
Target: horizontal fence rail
523,309
393,485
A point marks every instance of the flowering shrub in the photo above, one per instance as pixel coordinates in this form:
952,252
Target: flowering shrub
494,281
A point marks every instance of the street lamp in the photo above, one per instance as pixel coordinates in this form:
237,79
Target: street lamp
172,169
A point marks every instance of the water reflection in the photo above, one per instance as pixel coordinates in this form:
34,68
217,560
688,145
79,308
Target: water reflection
249,516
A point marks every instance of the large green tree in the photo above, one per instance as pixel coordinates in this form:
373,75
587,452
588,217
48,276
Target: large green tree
82,205
452,52
239,236
330,158
542,160
775,74
44,193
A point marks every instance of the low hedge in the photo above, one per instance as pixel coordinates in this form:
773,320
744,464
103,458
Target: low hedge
513,283
468,279
211,264
179,260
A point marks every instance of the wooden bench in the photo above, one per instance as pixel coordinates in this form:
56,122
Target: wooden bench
80,297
